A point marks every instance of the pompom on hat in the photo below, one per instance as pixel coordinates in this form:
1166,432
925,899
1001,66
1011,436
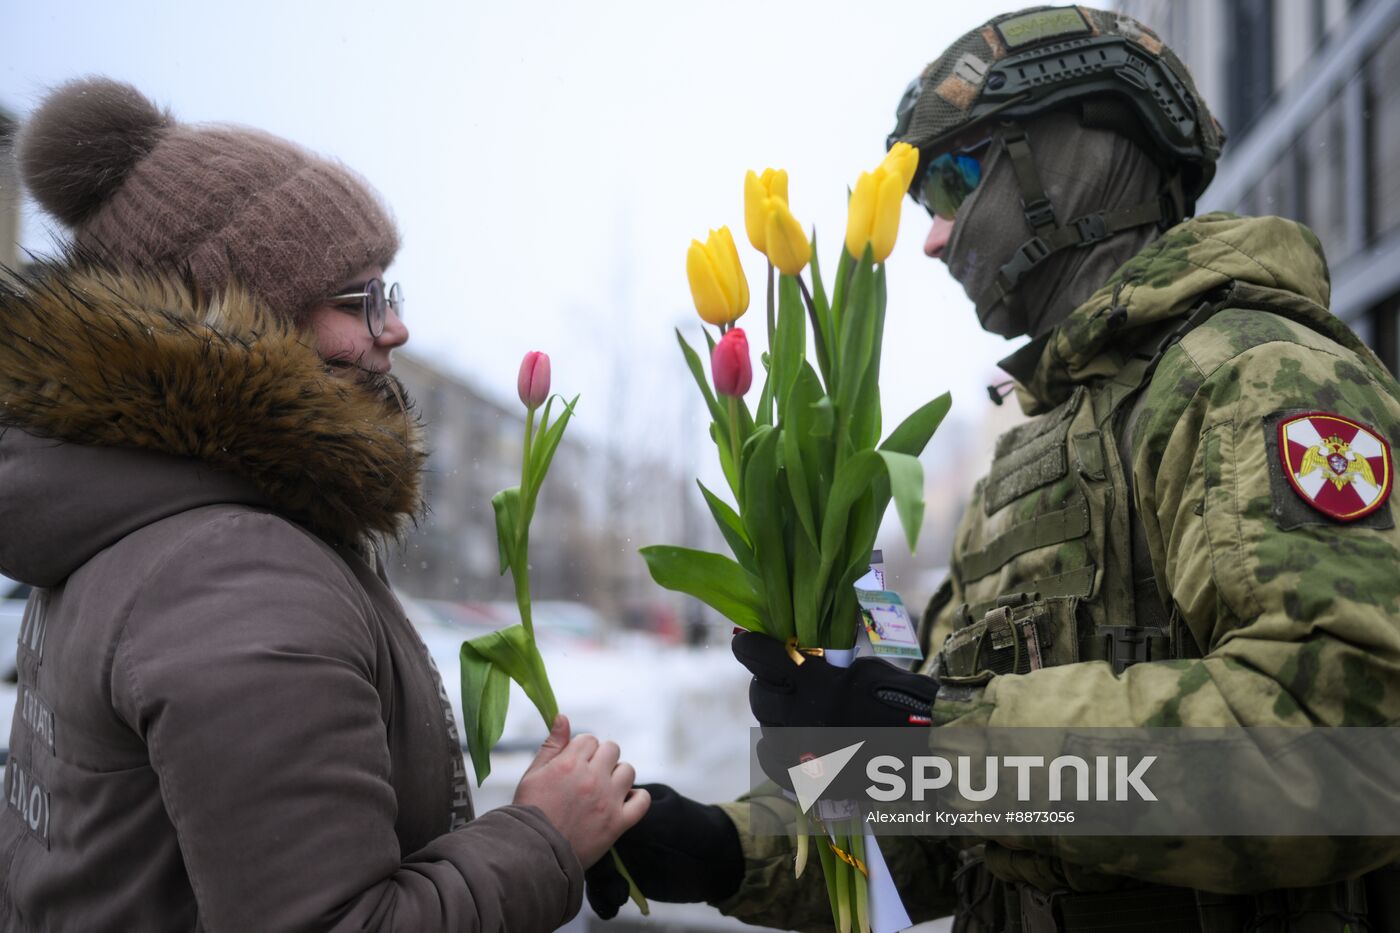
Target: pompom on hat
222,203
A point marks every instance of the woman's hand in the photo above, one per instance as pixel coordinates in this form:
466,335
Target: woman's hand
583,790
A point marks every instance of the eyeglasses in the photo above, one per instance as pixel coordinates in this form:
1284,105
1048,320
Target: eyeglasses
375,303
949,178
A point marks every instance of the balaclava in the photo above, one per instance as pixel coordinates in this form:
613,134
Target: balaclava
219,203
1083,170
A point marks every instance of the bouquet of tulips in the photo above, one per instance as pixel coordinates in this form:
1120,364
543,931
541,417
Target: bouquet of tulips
809,474
491,662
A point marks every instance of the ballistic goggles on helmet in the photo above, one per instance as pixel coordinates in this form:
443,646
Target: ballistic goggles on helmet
950,177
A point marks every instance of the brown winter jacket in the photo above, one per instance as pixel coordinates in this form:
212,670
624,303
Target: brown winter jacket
224,720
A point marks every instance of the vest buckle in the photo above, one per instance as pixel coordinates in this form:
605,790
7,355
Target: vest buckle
1127,645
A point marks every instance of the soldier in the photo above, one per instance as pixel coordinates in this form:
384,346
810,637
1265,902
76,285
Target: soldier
1186,367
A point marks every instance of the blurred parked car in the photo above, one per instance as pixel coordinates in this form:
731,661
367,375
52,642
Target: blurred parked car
13,596
559,623
472,618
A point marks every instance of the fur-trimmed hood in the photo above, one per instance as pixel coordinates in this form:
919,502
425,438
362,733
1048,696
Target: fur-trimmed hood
139,365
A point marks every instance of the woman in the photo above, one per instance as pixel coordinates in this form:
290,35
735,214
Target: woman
225,721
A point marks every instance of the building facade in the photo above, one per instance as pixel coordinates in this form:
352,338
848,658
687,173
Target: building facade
1306,91
596,508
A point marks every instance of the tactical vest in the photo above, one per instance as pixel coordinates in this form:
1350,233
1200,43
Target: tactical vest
1046,562
1053,569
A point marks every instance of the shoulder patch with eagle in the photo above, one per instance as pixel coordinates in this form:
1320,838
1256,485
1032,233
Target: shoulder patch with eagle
1337,465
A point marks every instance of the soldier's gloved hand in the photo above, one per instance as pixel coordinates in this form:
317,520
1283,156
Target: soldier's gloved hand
870,692
681,852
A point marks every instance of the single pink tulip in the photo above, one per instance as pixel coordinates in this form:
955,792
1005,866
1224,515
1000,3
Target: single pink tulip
533,383
730,366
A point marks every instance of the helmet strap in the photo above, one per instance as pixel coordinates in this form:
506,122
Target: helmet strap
1050,237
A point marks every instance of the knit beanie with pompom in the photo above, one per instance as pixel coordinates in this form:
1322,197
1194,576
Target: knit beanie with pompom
221,203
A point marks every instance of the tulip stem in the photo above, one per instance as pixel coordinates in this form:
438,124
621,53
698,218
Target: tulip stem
520,563
734,444
816,331
772,319
768,399
525,453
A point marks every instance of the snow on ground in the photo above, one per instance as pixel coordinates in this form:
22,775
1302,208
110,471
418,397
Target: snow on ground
680,716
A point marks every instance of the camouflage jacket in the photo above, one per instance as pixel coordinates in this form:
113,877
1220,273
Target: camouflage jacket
1274,613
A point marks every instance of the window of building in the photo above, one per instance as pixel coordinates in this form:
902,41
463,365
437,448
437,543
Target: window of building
1319,158
1383,133
1249,62
1277,192
1385,332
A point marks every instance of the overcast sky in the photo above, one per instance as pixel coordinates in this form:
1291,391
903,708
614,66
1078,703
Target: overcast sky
549,163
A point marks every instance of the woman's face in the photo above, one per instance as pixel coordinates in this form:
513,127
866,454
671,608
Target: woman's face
342,335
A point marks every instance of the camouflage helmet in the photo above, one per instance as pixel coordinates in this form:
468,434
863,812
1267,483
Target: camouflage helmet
1114,68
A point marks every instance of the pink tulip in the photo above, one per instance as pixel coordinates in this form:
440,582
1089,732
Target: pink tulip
730,366
533,383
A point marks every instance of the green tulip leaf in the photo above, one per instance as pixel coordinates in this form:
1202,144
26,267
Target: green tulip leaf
839,298
485,698
542,452
865,409
763,519
792,336
865,524
856,338
806,602
506,504
819,300
697,370
864,432
513,651
544,417
731,527
489,663
801,450
720,435
906,485
823,417
764,413
530,480
853,480
714,579
746,423
844,612
914,432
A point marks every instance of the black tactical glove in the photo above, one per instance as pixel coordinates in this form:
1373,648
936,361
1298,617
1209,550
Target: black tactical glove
681,852
870,692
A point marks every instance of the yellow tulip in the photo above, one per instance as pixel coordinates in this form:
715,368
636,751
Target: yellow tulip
717,282
903,160
788,248
773,183
872,216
